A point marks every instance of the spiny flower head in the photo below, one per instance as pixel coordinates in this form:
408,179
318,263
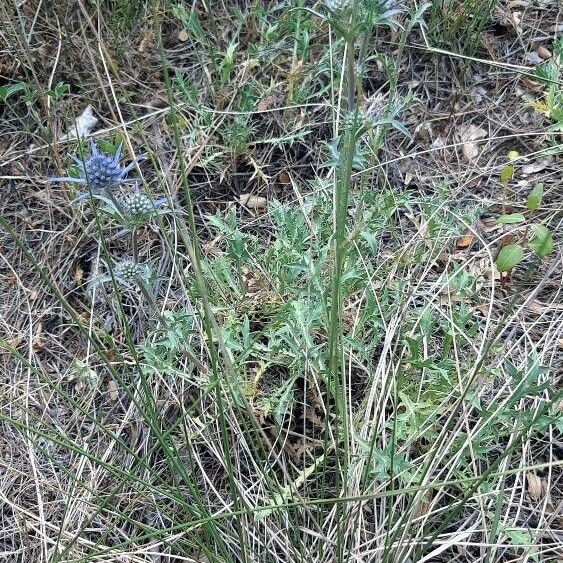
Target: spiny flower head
129,272
136,209
138,205
365,116
367,12
101,172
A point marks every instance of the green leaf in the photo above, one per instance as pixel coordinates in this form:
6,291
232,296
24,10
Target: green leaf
547,73
506,173
58,91
508,257
535,197
526,382
558,48
426,322
7,91
524,539
511,219
542,241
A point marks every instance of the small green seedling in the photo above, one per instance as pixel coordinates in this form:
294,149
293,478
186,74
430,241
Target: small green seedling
550,74
541,240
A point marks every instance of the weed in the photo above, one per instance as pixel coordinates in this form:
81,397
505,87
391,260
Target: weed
459,25
536,237
550,74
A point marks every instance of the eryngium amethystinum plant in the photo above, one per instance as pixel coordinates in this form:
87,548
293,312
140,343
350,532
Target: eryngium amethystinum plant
100,172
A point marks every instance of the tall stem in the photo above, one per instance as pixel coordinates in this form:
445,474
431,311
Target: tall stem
351,72
337,368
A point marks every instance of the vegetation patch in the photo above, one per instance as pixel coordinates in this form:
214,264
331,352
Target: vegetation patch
282,281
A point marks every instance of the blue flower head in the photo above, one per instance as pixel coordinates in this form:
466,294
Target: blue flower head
100,172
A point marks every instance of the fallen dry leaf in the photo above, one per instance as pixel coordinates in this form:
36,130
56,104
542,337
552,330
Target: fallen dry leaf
517,21
471,133
247,66
448,298
533,58
490,224
468,134
13,342
284,178
147,39
268,102
83,125
211,248
544,52
254,202
477,268
439,142
506,240
478,94
465,241
78,274
536,306
470,151
112,390
421,507
536,166
421,227
536,486
183,36
492,273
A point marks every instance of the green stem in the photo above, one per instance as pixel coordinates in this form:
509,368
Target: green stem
351,71
135,245
337,368
145,290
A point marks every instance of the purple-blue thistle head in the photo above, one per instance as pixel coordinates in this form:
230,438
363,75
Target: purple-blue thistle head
100,172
